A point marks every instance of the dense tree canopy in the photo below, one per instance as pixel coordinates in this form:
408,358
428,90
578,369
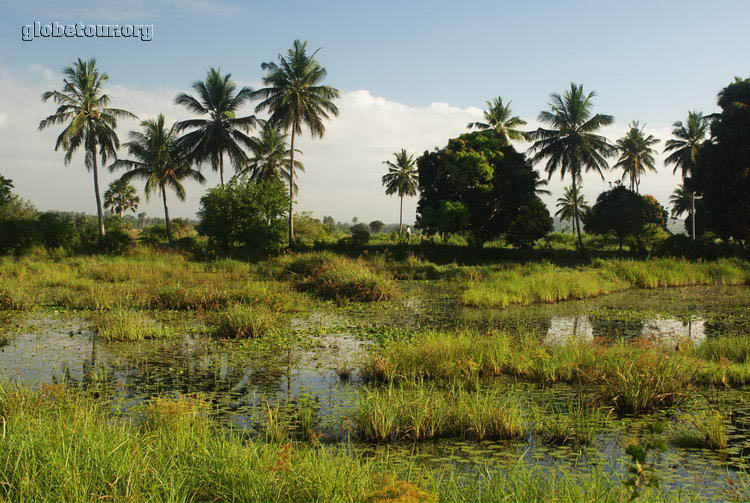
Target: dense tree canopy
624,214
478,187
722,170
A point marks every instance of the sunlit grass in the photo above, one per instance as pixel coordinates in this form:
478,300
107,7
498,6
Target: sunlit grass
129,325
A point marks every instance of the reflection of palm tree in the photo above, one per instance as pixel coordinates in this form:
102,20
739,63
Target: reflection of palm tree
636,154
501,120
401,179
572,144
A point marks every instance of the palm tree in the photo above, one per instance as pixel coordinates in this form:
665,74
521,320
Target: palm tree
270,157
572,145
295,98
221,131
540,187
636,154
121,197
401,179
681,201
572,206
501,120
160,162
684,148
90,123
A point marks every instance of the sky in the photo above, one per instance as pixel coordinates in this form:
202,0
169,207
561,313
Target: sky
411,75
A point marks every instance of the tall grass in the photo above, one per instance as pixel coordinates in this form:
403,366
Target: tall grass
129,325
525,284
243,322
706,431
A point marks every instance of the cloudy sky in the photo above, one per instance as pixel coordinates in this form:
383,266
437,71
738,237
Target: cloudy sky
411,75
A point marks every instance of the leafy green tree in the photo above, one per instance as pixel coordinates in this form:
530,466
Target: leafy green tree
532,222
121,197
402,179
722,168
56,230
295,97
90,122
475,186
636,154
376,226
623,213
683,149
360,234
221,131
160,161
245,214
500,119
270,157
6,190
572,206
572,144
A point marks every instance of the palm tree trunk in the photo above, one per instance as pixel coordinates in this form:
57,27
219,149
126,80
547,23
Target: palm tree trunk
99,213
401,218
291,194
692,211
166,213
221,168
575,210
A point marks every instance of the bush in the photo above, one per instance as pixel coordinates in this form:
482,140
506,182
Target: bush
245,214
360,234
57,230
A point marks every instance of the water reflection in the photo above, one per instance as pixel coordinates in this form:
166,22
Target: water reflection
564,329
671,332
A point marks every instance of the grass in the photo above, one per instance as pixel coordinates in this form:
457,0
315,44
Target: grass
128,325
704,431
244,322
339,278
420,413
531,283
577,427
58,445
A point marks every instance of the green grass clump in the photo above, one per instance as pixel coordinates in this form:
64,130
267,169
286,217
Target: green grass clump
704,431
578,427
733,348
14,297
340,278
128,325
244,322
420,413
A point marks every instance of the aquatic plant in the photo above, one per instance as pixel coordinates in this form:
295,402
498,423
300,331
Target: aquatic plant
242,322
704,430
128,325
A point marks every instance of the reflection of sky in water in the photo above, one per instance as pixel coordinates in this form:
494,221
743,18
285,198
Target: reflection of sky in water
563,329
671,332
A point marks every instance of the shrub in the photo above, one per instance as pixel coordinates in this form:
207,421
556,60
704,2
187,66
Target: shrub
245,214
57,230
360,234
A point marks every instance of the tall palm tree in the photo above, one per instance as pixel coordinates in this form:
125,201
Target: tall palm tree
636,154
295,98
159,161
270,157
572,144
90,122
572,206
221,131
500,119
120,197
681,201
401,179
684,147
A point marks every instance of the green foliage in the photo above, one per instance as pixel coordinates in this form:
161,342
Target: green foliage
624,213
642,472
636,154
532,222
245,215
244,322
57,230
120,197
377,226
121,324
6,187
360,234
721,168
477,186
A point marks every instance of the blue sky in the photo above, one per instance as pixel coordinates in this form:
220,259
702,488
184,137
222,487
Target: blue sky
650,61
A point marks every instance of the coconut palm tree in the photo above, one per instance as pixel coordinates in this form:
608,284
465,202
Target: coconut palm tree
636,154
159,161
681,201
121,197
270,157
90,122
500,119
221,132
401,179
684,147
572,144
572,206
295,98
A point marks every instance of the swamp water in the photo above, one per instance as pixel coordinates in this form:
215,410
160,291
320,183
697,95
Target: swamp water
241,382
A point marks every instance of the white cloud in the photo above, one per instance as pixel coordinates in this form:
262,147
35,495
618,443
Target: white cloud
343,170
